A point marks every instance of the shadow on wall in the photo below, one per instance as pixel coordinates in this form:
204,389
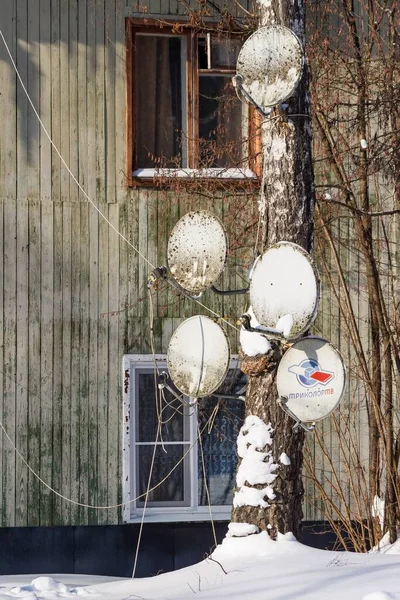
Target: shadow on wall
52,43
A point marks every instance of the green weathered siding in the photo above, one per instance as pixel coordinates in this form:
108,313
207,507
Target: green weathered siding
73,295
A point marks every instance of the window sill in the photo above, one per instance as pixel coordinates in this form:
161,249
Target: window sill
180,517
161,177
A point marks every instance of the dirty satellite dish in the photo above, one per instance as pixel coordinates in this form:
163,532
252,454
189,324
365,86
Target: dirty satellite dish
270,65
198,356
285,283
197,250
311,375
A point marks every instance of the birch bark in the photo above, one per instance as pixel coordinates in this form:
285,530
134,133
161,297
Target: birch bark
286,206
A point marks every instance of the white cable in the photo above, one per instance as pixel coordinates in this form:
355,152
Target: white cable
145,500
206,485
75,502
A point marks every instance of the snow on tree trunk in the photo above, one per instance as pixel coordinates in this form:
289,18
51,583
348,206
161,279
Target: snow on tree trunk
286,207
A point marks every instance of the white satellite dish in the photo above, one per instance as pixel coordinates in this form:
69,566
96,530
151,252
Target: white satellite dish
284,284
270,65
198,356
197,250
311,379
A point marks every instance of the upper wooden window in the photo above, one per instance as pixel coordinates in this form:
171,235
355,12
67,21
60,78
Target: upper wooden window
183,113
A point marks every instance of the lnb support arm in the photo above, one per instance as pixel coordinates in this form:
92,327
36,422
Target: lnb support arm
237,82
162,383
162,273
309,428
268,332
229,292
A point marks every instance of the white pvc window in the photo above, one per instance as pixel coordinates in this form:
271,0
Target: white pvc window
177,487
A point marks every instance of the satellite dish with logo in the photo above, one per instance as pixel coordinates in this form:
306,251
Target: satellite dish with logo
197,250
270,65
285,284
311,379
198,356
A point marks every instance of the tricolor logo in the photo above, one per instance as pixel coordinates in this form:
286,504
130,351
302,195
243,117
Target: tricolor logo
309,373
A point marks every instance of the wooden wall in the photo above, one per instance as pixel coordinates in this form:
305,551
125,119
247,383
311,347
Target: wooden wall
73,295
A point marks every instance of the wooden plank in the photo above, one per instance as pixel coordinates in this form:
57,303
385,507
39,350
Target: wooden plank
8,106
22,141
46,259
46,364
34,360
55,100
90,82
93,352
65,109
73,49
45,99
83,424
162,218
114,370
32,168
75,357
167,331
138,324
120,102
135,300
10,361
110,80
152,256
175,305
22,433
93,224
100,102
123,275
3,441
57,370
103,367
82,96
66,358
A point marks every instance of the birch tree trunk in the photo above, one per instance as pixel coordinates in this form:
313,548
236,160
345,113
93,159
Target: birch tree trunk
286,206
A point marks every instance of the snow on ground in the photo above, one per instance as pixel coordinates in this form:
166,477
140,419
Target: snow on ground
244,568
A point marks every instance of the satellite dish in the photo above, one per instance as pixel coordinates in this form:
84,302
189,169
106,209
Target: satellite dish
197,250
284,284
198,356
270,65
311,375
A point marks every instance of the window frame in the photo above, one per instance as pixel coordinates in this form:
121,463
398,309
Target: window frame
132,513
146,176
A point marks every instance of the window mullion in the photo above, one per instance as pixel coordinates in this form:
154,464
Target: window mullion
193,461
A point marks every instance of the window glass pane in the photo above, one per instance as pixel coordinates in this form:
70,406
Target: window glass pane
219,448
175,426
176,488
202,59
158,101
224,52
220,122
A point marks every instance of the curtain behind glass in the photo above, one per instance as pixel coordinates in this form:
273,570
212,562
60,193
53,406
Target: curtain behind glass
219,448
220,122
158,102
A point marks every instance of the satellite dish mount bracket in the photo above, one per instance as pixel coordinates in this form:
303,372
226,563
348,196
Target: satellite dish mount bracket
237,82
309,428
162,383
